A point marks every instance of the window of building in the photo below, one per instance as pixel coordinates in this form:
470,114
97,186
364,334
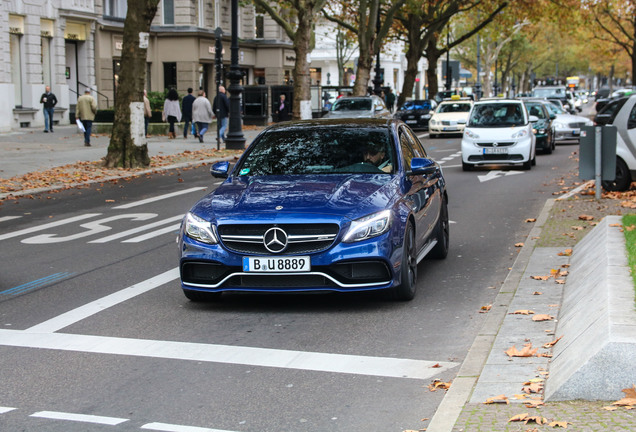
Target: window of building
16,30
315,75
46,36
169,75
168,12
259,22
115,8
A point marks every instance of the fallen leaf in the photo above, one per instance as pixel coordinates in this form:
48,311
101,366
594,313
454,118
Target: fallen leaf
109,200
520,396
497,399
563,424
522,312
567,252
543,278
485,309
577,228
537,293
560,281
439,384
616,225
527,351
531,403
531,220
518,244
519,417
625,402
630,392
610,408
586,217
551,344
436,365
542,317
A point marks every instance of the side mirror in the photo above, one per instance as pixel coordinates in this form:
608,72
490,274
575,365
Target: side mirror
220,169
422,166
533,119
552,116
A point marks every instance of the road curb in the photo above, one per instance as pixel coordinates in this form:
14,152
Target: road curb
4,196
462,387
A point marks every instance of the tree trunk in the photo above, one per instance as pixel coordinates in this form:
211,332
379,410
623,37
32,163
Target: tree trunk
302,95
412,59
432,55
123,152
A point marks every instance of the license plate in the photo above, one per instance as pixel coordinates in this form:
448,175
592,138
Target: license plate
450,128
276,264
495,150
411,121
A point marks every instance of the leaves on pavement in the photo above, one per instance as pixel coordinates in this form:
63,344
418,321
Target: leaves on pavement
526,351
497,399
439,384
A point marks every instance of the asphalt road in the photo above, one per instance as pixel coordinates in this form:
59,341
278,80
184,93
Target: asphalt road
95,333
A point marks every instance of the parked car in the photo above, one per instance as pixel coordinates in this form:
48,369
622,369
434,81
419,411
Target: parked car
416,113
542,127
556,92
566,126
359,107
318,205
450,117
498,132
617,94
607,114
625,122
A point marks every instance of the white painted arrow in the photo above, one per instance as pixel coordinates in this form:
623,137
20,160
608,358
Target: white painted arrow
497,173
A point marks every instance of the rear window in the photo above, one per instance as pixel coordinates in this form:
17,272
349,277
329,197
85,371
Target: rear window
453,107
352,105
496,115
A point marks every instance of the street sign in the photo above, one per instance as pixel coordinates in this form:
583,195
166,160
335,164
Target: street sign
587,156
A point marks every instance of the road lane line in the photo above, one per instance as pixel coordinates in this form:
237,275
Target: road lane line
48,225
37,283
55,415
136,230
89,309
6,409
212,353
158,198
165,427
172,228
6,218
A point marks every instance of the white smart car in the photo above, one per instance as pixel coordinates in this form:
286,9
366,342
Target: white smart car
499,131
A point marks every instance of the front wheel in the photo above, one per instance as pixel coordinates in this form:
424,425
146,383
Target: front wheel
467,167
623,178
408,269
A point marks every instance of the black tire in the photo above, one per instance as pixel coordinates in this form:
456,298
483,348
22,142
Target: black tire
442,234
548,150
527,165
623,178
534,158
408,280
200,296
467,167
432,135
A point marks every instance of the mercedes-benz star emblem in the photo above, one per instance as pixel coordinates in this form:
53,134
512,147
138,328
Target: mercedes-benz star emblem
275,240
495,144
279,207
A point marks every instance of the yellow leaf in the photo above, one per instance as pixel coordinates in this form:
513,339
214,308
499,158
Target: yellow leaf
527,351
630,392
542,317
518,244
522,312
533,403
543,278
531,220
498,399
518,417
551,344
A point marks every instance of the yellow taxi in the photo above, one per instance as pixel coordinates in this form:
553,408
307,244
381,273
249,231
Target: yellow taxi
450,116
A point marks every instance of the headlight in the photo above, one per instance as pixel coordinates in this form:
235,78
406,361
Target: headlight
520,134
559,125
200,229
426,116
369,226
433,122
470,134
541,131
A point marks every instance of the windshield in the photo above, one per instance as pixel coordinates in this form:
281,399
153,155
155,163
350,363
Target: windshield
555,109
417,105
352,105
496,115
549,92
321,150
453,107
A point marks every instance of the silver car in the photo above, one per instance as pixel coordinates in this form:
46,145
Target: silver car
567,126
359,107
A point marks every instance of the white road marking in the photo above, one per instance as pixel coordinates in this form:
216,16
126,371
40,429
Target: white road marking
48,225
136,230
212,353
496,174
6,218
172,228
112,421
93,227
165,427
89,309
158,198
6,409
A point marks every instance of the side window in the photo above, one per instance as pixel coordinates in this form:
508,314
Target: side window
631,123
407,151
415,143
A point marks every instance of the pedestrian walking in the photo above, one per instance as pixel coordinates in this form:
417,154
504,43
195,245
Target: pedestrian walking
221,109
202,113
49,101
147,112
390,100
85,111
186,111
171,111
282,109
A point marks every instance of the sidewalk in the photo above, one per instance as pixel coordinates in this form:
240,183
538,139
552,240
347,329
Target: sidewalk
30,150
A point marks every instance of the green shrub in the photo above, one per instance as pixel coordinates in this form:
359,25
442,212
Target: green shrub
629,221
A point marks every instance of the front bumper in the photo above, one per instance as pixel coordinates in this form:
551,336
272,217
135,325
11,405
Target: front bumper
482,152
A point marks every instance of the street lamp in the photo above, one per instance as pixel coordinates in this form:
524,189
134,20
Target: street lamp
218,63
235,139
378,80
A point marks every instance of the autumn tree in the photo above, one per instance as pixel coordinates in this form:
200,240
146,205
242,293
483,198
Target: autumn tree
300,30
361,18
128,147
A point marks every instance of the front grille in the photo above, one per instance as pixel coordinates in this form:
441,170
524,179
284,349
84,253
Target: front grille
280,281
302,238
448,123
576,124
499,144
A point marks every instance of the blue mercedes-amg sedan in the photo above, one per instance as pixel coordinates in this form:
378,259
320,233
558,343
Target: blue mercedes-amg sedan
318,205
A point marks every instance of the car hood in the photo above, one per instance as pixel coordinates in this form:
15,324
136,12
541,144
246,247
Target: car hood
451,116
268,197
495,134
569,118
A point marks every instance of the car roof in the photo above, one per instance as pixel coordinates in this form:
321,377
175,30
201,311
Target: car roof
497,100
333,122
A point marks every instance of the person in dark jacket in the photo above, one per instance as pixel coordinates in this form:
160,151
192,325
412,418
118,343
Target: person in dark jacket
221,110
186,111
49,101
282,109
